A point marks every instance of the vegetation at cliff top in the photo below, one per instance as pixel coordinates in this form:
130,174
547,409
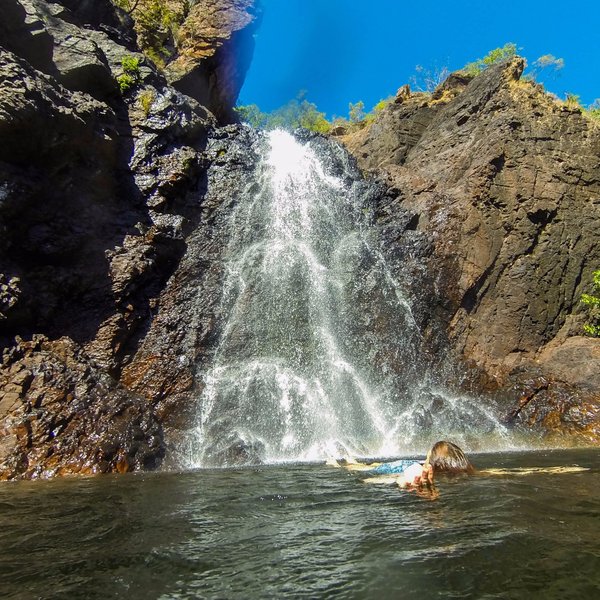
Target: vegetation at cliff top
491,58
592,301
593,109
299,112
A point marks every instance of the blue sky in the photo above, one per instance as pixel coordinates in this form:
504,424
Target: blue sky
342,51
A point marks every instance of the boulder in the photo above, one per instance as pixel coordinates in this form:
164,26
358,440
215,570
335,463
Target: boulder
61,415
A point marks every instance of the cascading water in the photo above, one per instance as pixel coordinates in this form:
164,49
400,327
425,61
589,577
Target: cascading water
316,355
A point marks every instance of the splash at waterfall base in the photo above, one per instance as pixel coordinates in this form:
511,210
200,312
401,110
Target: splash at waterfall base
318,354
302,322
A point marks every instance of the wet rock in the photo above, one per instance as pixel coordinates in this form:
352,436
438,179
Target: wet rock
97,196
61,415
169,361
566,414
231,450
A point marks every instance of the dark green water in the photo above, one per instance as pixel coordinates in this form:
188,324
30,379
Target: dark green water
305,531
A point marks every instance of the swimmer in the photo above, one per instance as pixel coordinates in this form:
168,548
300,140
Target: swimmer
443,458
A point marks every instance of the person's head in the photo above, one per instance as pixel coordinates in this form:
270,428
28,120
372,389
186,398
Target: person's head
446,457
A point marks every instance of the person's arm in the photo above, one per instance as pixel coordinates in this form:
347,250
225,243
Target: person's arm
427,475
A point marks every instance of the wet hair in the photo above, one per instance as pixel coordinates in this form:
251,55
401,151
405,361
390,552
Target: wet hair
446,457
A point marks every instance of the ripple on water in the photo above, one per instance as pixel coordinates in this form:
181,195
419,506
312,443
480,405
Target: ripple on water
305,531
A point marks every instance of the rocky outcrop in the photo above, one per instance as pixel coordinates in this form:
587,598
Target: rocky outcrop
61,415
175,351
99,191
214,49
506,182
114,208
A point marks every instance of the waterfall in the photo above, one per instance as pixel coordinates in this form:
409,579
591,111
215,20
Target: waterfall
317,351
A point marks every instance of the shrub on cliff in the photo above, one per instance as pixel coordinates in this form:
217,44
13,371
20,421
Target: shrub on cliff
131,73
593,303
491,58
156,24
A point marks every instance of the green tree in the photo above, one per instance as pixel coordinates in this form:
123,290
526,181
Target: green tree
252,115
298,112
592,301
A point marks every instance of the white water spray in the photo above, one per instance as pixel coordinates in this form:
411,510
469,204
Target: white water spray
298,373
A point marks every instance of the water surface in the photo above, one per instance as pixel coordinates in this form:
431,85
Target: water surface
305,531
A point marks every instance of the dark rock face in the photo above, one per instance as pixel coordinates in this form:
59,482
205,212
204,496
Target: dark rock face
61,415
179,342
506,182
98,193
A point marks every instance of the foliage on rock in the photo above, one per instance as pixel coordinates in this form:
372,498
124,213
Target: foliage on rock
130,76
493,57
298,112
146,98
592,301
156,25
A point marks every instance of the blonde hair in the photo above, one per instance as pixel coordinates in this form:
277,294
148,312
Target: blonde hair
446,457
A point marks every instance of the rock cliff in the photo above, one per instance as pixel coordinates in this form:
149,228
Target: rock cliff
214,49
99,189
505,181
